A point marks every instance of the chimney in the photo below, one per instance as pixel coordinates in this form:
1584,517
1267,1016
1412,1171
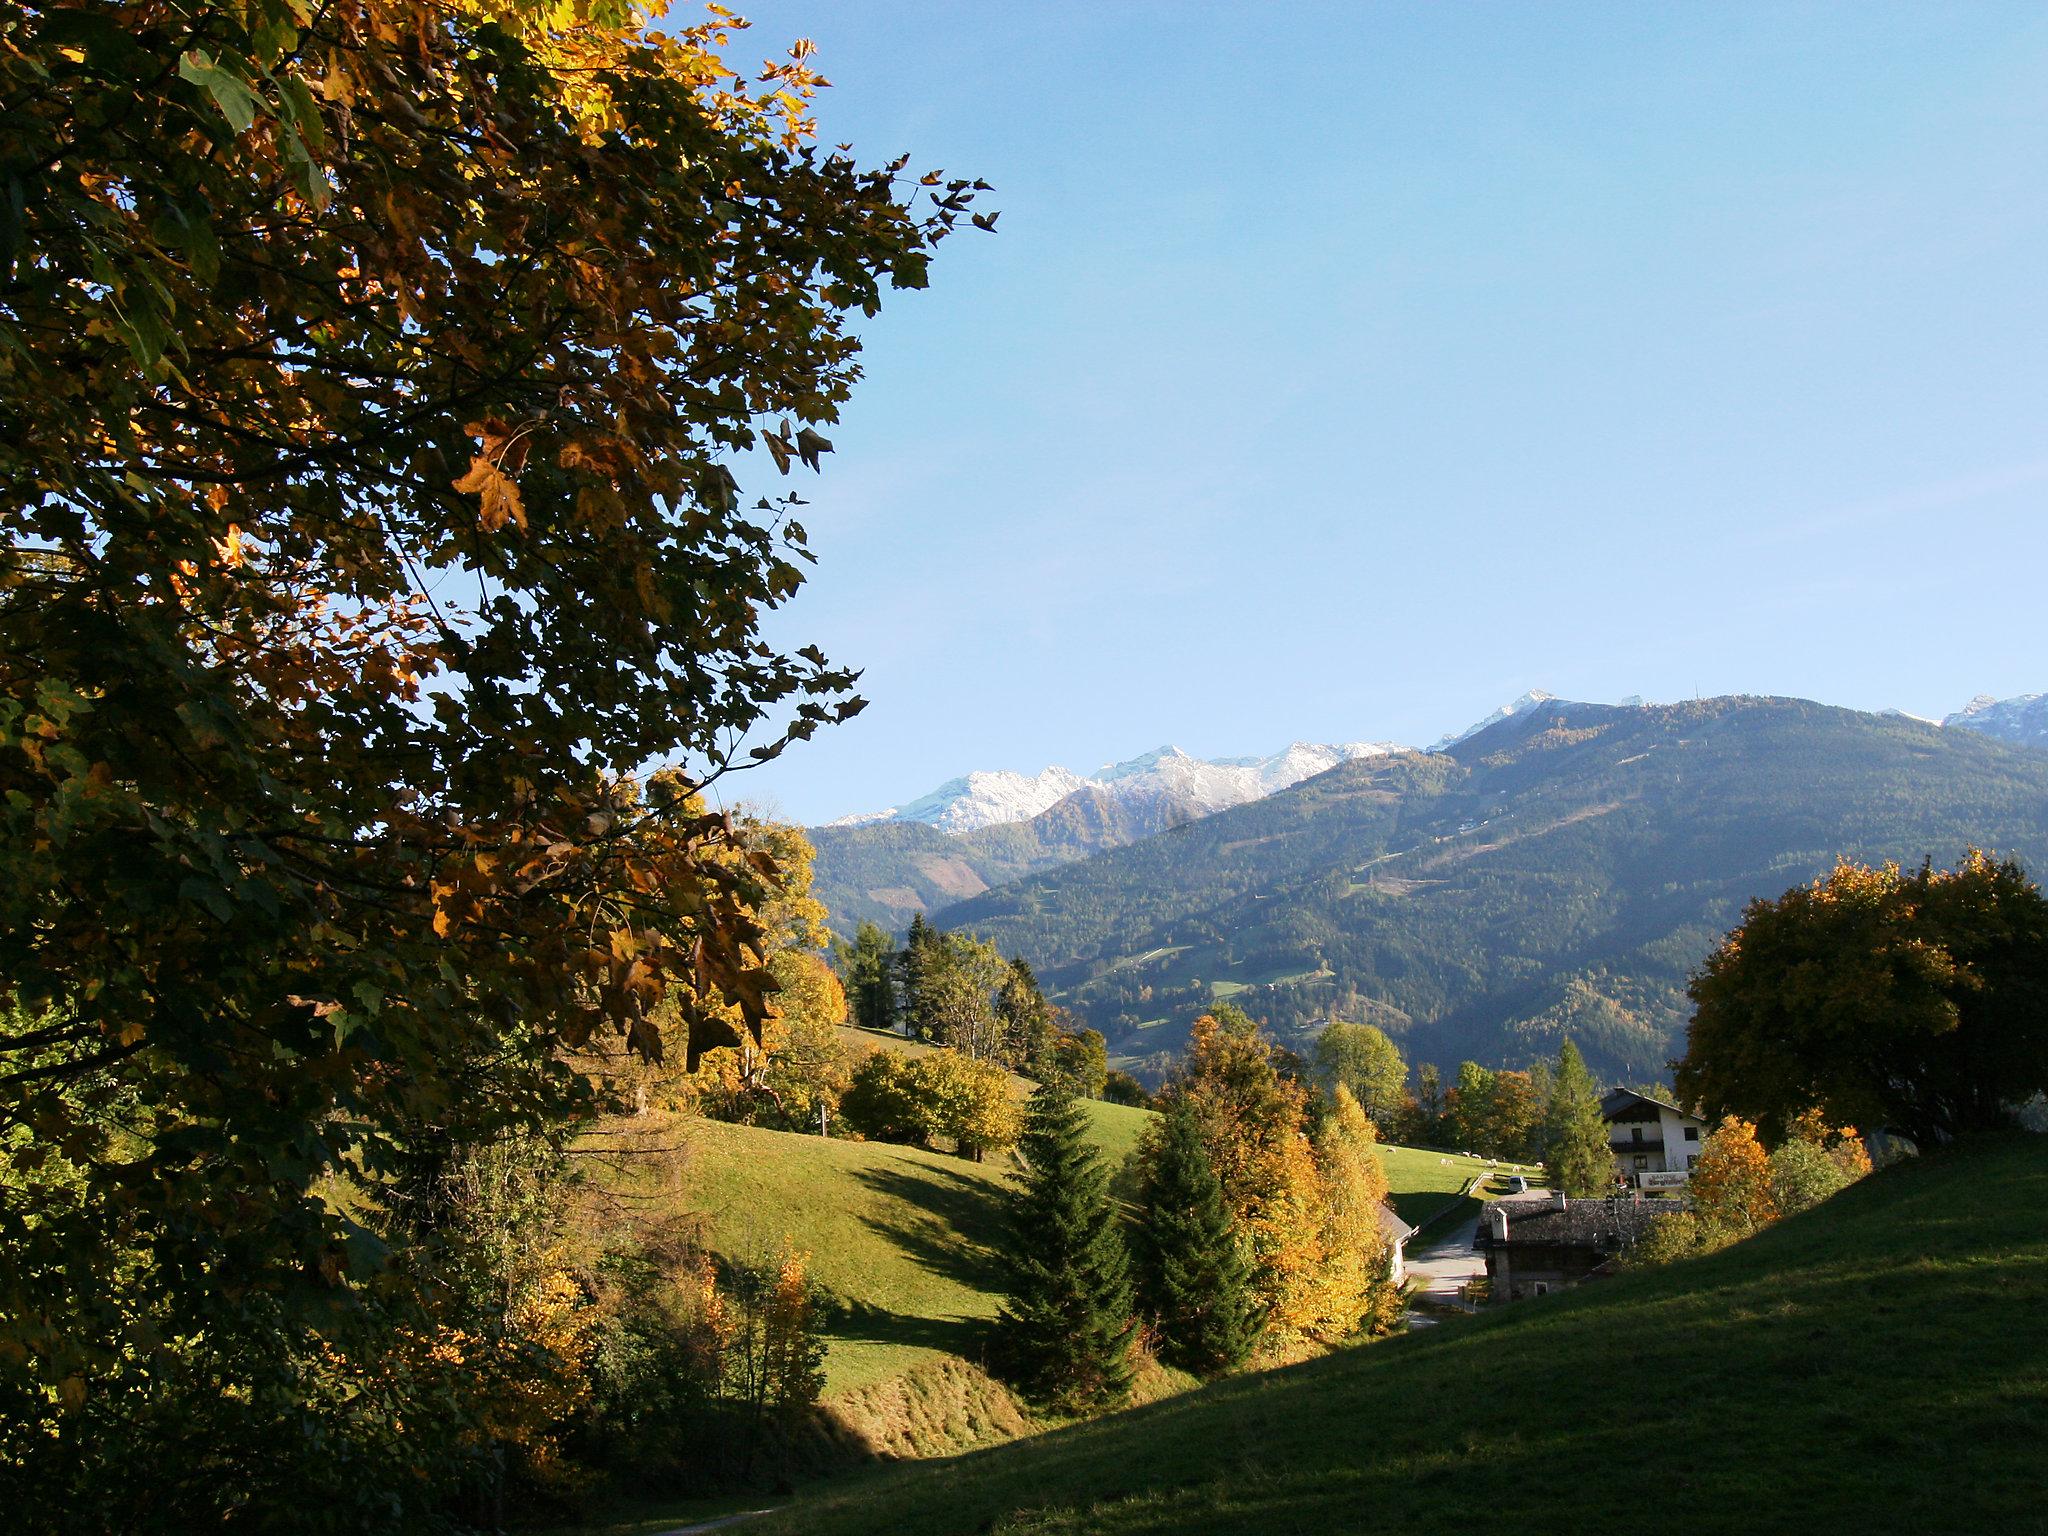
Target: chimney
1557,1200
1497,1223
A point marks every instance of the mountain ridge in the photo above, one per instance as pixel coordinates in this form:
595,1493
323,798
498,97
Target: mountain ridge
1561,871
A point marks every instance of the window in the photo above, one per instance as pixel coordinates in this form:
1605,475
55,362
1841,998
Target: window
1539,1287
1692,1133
1692,1160
1642,1162
1635,1133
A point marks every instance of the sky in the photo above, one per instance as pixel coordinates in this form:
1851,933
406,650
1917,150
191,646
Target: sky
1340,372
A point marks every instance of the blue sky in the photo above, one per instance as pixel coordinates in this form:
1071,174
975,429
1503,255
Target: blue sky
1340,372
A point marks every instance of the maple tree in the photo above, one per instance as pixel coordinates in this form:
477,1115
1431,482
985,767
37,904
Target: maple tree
371,376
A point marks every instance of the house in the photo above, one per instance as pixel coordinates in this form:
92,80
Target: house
1542,1243
1397,1234
1649,1137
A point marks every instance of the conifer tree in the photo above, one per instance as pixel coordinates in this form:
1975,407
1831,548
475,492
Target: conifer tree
871,978
1064,1333
1575,1136
915,963
1194,1277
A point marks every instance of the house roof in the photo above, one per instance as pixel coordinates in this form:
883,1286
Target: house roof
1618,1101
1607,1226
1397,1230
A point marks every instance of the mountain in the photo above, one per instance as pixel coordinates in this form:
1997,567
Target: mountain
2023,720
986,828
1193,786
1521,706
1561,871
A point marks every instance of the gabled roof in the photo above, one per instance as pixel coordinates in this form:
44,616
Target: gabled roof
1619,1100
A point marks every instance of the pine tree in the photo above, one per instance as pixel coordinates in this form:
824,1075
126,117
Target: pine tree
1193,1274
1575,1136
914,963
1065,1331
871,978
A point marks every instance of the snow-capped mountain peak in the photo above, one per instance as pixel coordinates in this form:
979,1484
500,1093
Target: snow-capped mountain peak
2022,719
1523,705
1166,784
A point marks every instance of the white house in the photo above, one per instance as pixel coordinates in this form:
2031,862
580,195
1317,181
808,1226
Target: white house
1650,1138
1397,1234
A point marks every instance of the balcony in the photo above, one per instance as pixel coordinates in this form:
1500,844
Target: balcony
1637,1148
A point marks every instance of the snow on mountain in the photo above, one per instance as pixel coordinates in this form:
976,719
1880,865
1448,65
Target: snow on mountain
1523,705
1168,781
2023,719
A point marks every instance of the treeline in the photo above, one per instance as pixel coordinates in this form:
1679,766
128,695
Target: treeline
1548,1114
1260,1230
958,991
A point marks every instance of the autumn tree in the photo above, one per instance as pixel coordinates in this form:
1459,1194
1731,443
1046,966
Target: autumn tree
371,377
1252,1121
1910,1002
1066,1325
1575,1136
1368,1064
1731,1183
1814,1161
1353,1288
1080,1058
1193,1274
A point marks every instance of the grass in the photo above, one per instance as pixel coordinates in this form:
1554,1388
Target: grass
901,1238
1880,1363
1421,1181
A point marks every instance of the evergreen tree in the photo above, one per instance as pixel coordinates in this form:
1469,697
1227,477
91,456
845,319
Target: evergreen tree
915,965
871,978
1193,1274
1575,1137
1064,1333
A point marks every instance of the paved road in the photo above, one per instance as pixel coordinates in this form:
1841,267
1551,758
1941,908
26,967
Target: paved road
1445,1265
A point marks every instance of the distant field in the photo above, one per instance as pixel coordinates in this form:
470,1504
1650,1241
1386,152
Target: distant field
1877,1364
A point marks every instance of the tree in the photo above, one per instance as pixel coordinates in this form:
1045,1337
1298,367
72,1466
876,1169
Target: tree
1121,1088
1366,1062
965,1100
1026,1019
1064,1332
1512,1124
1468,1107
1081,1059
1193,1275
870,963
316,317
1251,1119
1575,1136
957,985
1815,1161
1429,1105
921,947
1910,1002
1354,1287
1731,1183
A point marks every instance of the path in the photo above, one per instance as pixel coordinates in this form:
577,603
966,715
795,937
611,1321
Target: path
1444,1266
715,1525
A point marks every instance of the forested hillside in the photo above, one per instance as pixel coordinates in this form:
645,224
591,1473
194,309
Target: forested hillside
1562,871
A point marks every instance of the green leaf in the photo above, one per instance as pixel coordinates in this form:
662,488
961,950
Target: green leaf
236,101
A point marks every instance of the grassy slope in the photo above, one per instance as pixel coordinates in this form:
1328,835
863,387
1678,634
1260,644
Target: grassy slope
1878,1364
899,1236
902,1238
